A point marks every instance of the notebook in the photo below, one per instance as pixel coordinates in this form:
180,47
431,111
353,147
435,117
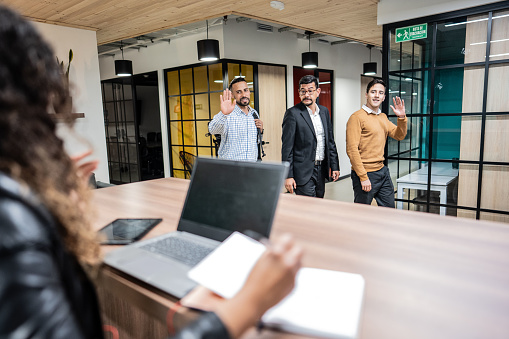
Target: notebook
324,303
224,196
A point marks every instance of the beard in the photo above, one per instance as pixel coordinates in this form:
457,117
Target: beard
240,103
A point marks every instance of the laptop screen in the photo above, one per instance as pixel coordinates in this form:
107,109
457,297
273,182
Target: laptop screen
226,196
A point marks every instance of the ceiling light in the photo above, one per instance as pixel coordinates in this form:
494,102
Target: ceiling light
208,49
309,59
123,68
277,5
369,68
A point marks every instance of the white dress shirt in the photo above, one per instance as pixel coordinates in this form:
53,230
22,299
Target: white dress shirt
319,132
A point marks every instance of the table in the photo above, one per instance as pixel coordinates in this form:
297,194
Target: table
427,276
442,175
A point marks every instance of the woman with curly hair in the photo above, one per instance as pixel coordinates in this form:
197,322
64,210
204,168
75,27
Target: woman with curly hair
47,245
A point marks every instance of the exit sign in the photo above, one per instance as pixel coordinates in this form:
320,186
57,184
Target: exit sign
415,32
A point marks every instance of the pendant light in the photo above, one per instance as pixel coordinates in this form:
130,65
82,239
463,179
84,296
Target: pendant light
369,68
123,68
208,49
309,59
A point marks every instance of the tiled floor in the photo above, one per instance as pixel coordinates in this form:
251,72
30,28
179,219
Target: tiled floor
340,190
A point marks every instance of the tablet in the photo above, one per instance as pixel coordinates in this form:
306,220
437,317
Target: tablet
126,231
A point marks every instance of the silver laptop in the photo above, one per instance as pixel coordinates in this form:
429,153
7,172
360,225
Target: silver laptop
223,196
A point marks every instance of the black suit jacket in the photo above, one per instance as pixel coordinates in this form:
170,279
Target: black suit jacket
299,143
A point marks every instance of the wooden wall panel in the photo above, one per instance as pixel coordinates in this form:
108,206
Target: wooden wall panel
272,104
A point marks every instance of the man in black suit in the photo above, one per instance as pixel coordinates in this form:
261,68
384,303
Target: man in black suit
308,143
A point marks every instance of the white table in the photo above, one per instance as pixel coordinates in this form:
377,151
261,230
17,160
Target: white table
441,176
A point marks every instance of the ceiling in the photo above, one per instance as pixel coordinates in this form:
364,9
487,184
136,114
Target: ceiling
115,20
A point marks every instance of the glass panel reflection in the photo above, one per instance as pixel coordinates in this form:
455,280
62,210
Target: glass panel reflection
174,108
187,107
200,79
173,83
468,176
494,193
449,87
496,138
107,91
216,77
176,132
499,47
233,72
247,72
498,87
175,155
446,137
215,103
470,144
201,105
189,133
201,131
186,81
205,151
451,42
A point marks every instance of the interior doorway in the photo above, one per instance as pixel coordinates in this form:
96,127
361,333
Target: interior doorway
133,128
148,121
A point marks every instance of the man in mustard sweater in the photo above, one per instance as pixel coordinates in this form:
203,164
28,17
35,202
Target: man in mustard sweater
366,134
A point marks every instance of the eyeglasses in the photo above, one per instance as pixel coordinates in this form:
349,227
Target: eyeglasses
303,92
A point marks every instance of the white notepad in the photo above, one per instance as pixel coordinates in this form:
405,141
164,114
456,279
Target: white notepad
324,303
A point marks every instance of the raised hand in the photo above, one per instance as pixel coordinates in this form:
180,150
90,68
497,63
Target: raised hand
399,107
227,105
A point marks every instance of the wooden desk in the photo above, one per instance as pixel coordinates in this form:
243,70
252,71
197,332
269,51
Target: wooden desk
427,276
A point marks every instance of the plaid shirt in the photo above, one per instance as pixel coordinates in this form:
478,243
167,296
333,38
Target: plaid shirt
238,134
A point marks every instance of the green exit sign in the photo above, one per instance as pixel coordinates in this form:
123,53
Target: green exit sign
415,32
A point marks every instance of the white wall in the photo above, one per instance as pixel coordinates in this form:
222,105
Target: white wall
86,90
399,10
242,41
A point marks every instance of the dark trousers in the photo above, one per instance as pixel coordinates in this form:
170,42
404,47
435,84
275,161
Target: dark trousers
315,187
381,188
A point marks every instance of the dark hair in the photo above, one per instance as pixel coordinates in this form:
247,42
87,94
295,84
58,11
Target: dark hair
236,80
374,82
31,84
307,79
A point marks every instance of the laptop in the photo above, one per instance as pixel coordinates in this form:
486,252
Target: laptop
224,196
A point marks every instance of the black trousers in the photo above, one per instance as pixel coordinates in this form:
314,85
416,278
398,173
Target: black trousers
315,187
382,188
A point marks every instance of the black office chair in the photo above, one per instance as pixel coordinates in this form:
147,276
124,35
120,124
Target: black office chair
187,160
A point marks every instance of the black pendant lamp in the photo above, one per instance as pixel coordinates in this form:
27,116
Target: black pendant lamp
309,59
123,68
208,49
369,68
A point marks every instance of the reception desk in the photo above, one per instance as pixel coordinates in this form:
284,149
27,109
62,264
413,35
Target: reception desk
427,276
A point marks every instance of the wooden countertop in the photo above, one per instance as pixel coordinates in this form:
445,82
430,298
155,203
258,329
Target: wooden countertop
427,276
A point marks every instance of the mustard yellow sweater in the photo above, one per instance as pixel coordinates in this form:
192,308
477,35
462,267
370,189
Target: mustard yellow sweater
365,140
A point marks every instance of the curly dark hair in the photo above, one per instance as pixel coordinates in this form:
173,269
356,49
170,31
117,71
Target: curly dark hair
32,87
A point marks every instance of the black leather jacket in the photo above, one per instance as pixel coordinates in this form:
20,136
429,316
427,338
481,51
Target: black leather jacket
44,292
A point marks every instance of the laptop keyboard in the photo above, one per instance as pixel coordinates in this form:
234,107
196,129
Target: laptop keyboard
188,252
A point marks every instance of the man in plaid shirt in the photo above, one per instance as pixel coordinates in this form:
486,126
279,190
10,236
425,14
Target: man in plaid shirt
237,123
